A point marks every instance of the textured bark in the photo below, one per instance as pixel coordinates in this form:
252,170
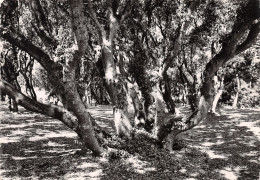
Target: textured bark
114,86
71,95
219,85
237,93
166,92
190,86
216,99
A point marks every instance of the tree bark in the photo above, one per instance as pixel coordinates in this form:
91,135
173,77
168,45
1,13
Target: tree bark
115,89
113,84
234,106
219,90
167,94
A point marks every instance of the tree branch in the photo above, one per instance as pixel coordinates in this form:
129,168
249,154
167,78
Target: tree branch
24,44
79,25
50,110
54,70
251,38
127,10
230,47
43,27
93,15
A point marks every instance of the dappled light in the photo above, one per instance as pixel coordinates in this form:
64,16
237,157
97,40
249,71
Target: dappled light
36,146
104,116
232,143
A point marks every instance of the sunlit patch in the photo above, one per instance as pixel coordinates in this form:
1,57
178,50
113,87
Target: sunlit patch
53,135
231,173
252,127
16,126
251,153
106,42
88,165
55,150
19,132
254,161
69,152
9,139
183,170
219,142
28,151
233,130
37,138
212,154
208,144
193,175
139,166
54,144
109,74
103,159
96,173
23,158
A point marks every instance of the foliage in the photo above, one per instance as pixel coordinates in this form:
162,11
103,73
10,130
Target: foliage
248,72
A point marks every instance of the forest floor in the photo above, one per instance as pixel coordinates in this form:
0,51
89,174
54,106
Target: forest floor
33,146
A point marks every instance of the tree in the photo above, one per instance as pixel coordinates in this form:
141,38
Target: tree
62,77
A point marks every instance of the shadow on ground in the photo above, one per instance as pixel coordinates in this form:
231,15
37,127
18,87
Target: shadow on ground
34,146
231,141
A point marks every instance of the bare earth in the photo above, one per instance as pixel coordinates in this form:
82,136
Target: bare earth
33,146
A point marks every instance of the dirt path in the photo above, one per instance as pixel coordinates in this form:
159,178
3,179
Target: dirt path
232,141
34,146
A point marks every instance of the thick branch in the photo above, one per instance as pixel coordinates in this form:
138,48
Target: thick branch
79,25
43,27
24,44
94,17
113,25
50,110
176,47
251,38
245,19
126,11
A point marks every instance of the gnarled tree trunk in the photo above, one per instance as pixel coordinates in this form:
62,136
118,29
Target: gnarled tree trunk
231,46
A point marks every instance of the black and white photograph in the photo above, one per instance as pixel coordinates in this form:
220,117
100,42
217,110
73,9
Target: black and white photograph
130,89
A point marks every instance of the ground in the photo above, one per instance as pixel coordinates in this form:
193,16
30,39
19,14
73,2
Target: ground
33,146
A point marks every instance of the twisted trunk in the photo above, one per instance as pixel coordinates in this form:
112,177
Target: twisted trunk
115,89
231,46
30,104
